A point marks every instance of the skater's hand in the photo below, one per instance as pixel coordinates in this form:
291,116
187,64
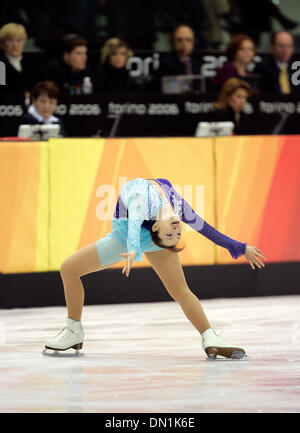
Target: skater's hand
130,257
252,254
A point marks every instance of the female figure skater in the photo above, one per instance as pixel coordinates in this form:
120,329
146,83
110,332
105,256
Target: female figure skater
148,218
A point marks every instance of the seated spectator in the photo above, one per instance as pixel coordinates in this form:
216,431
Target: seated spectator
112,76
69,70
276,71
181,60
44,100
12,39
230,105
240,53
192,12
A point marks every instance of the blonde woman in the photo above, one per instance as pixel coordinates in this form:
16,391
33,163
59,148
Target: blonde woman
230,104
112,76
13,37
148,219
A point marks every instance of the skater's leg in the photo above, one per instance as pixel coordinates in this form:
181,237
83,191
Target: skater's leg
168,267
82,262
91,258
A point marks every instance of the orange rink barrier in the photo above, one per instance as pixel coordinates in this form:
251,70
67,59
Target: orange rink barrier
51,193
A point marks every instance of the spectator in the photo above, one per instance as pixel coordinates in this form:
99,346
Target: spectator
230,105
44,100
69,70
181,60
12,39
275,71
240,53
192,12
112,76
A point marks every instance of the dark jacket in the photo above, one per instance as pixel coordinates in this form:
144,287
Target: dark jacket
28,119
244,127
227,71
16,82
269,72
68,81
170,64
108,79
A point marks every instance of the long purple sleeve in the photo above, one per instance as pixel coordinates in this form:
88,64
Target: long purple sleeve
189,216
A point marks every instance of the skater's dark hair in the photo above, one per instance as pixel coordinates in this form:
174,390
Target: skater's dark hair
157,240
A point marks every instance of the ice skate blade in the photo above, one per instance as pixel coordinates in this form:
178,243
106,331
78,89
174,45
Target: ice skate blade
244,358
56,352
62,354
226,352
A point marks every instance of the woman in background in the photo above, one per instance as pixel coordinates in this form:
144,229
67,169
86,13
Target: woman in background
18,70
240,52
230,106
112,76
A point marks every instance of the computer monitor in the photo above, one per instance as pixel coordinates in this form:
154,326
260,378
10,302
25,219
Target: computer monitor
181,84
213,129
39,132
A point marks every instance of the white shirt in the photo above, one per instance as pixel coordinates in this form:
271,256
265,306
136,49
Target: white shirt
280,64
51,119
15,62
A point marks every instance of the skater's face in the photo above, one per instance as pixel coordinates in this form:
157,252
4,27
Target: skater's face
238,99
184,41
77,58
169,230
283,47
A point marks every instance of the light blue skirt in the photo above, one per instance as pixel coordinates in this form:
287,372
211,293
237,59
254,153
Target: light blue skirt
115,242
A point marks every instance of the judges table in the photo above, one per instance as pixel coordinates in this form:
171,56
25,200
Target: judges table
150,115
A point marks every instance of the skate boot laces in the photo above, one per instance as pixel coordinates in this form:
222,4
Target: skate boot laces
64,333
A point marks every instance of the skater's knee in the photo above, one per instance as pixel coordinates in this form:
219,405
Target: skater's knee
67,267
179,293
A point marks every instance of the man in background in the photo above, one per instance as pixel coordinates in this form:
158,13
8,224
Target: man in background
275,71
181,60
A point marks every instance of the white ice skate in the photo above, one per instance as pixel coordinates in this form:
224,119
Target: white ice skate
71,336
214,345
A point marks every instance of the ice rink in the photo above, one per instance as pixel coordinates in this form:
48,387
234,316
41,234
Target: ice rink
148,358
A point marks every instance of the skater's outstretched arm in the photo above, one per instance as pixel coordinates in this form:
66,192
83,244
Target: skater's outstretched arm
190,217
235,248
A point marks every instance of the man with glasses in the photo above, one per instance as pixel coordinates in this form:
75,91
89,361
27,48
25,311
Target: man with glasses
275,71
181,60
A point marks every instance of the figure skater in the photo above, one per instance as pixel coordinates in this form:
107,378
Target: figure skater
148,219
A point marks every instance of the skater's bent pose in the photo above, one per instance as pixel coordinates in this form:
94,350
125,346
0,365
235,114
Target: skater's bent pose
148,219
